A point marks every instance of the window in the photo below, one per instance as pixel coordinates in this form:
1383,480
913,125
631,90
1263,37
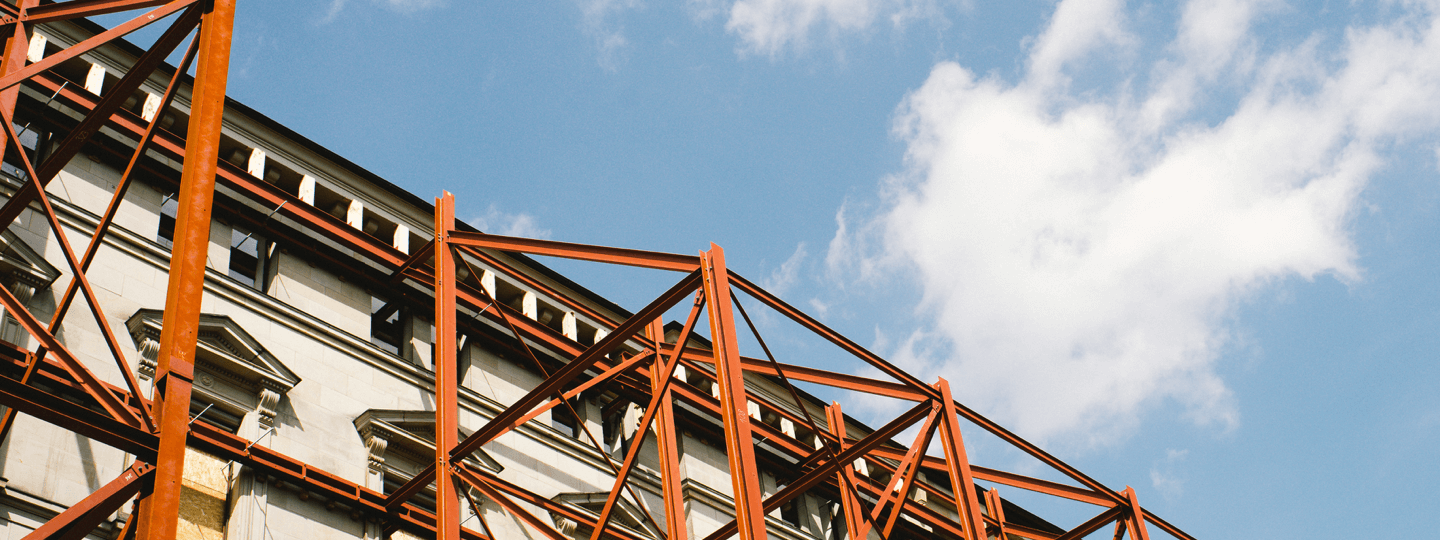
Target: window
247,257
168,209
386,330
207,412
564,422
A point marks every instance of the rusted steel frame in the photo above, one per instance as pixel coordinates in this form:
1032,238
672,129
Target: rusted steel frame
447,401
799,403
515,510
667,447
1166,526
920,512
415,260
8,421
1027,447
772,435
539,286
474,508
739,446
100,113
17,45
128,531
97,40
997,511
88,381
820,376
961,480
911,466
123,186
598,379
583,252
174,372
1119,529
855,528
480,478
1135,518
81,518
561,397
78,276
825,470
663,377
26,398
504,421
74,9
85,421
1011,479
830,335
1094,524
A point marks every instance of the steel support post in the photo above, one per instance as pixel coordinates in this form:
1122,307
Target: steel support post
844,477
17,44
730,375
668,447
447,502
176,362
1136,519
958,465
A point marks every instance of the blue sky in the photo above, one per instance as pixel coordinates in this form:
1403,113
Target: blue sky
1188,247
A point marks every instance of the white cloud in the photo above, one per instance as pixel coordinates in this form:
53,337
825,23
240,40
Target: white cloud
398,6
1081,255
1163,475
494,221
787,274
770,26
600,21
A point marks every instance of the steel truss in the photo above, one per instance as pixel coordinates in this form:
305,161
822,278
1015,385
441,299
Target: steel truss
157,431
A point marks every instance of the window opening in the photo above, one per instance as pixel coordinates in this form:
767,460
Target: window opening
247,254
564,422
168,210
386,330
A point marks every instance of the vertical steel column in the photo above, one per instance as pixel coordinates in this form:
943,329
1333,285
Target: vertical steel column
176,363
967,505
17,45
447,502
667,445
844,477
1136,519
739,446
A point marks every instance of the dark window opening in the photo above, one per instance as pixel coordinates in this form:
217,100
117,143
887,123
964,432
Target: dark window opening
168,210
424,500
564,422
247,257
386,331
790,513
201,411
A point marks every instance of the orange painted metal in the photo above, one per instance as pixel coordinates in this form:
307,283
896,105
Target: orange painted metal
730,375
175,367
447,405
668,446
961,480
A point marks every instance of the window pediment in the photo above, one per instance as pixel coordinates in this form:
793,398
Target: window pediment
224,349
20,262
412,433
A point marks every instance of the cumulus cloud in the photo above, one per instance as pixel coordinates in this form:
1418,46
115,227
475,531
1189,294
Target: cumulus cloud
1081,254
770,26
495,221
600,20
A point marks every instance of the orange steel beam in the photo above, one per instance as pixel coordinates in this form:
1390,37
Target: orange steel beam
18,76
17,44
503,422
819,376
667,446
174,372
961,481
730,375
911,465
845,477
1093,524
583,252
822,471
1134,519
74,9
447,404
80,519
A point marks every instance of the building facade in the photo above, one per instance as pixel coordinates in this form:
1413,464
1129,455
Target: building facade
316,357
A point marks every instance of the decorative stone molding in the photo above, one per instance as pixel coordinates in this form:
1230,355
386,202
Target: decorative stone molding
24,272
149,353
410,434
626,515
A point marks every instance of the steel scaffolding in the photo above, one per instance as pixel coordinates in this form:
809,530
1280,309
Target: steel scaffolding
157,432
